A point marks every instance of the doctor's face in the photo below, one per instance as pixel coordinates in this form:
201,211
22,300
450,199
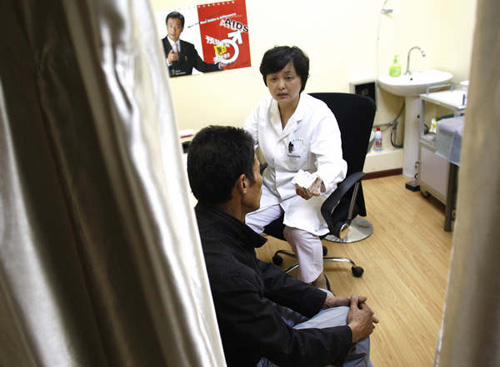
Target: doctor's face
174,28
285,85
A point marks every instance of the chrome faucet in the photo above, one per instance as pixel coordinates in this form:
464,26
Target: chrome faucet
408,72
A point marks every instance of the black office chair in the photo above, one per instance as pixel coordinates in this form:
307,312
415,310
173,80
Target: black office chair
355,115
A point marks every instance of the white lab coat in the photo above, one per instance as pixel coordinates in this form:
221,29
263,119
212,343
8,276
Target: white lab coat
310,141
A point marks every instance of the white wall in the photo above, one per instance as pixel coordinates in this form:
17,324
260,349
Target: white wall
340,38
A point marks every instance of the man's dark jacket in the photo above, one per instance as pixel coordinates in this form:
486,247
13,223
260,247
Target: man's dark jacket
188,59
243,286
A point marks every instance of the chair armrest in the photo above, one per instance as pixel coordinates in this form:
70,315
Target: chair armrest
333,200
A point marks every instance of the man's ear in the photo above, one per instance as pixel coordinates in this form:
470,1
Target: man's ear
242,183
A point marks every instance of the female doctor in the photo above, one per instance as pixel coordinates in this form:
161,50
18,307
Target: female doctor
295,132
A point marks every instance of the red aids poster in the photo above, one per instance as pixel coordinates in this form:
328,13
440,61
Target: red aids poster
205,38
224,32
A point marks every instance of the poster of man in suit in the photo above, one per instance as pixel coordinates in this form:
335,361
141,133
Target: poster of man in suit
205,38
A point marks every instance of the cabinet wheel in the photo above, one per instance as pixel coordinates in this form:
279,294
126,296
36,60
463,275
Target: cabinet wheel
425,194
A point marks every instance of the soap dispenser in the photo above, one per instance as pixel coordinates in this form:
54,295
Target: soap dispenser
395,69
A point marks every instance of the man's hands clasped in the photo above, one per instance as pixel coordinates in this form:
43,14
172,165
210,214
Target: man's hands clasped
360,319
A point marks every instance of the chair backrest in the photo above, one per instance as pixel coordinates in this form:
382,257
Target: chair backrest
355,114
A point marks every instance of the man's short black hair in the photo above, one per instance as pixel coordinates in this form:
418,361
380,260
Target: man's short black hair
217,157
175,15
275,59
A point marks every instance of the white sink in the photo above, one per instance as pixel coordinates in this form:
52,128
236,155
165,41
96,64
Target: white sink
414,84
410,87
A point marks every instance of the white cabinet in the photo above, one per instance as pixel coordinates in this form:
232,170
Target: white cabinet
437,172
433,170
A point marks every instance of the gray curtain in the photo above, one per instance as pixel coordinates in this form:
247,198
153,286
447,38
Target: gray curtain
100,261
470,334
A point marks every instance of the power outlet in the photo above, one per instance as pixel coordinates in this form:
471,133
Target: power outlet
365,88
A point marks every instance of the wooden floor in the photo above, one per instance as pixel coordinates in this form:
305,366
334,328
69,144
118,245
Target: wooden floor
406,268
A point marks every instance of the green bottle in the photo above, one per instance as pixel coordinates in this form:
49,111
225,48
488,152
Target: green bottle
395,69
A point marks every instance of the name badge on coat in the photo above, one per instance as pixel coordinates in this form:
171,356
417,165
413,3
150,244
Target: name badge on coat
296,147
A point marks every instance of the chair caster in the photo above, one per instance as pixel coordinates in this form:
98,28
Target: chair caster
357,271
277,260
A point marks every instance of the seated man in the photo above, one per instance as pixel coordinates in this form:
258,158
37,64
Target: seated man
265,316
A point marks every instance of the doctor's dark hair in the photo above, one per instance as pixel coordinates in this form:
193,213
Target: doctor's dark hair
175,15
217,156
275,59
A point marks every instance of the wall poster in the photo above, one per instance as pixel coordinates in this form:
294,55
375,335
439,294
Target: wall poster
205,38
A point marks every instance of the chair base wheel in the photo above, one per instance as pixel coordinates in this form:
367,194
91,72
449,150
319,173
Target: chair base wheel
357,271
277,260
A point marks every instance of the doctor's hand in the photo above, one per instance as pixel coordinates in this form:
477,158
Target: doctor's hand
307,194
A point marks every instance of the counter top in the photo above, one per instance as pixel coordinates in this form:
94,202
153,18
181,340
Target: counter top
453,99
